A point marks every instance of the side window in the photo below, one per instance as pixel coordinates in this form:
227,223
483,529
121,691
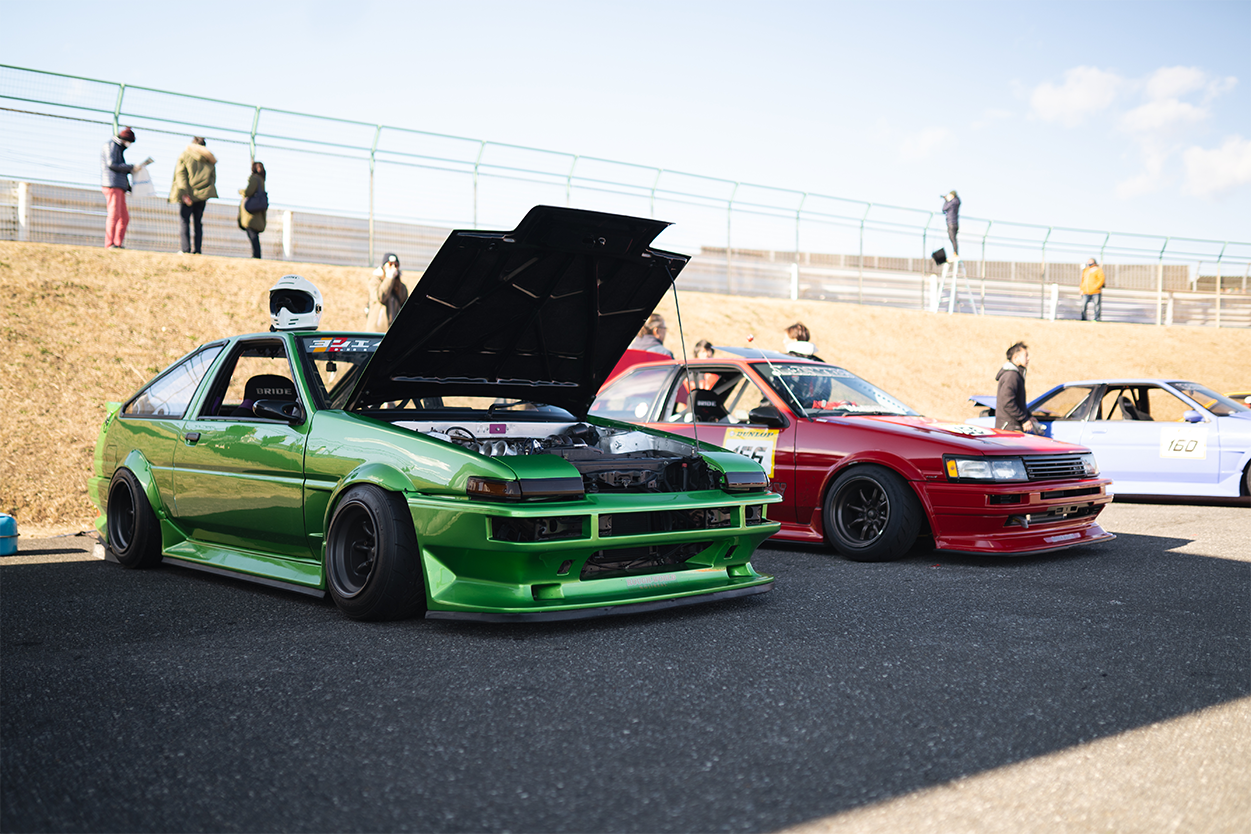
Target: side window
723,395
1163,406
169,394
258,371
1129,403
1072,403
632,397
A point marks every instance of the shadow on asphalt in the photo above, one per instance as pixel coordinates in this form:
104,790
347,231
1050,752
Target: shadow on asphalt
176,700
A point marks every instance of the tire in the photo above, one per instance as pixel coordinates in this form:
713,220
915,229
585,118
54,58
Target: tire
871,514
133,532
373,569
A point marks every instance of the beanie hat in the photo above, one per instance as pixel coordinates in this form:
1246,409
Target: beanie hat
126,134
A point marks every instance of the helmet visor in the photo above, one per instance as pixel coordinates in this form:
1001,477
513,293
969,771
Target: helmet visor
296,301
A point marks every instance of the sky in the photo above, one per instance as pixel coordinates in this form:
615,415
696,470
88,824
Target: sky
1127,116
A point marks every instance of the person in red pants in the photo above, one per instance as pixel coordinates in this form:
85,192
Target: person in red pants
115,182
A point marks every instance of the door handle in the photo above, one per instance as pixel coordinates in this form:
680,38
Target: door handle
191,436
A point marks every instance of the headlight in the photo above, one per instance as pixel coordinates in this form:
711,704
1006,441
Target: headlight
527,489
984,469
1090,466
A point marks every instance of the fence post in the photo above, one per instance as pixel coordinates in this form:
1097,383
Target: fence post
860,279
23,211
1159,288
729,242
117,108
476,163
373,151
795,282
256,118
569,179
652,202
1055,301
1042,279
288,236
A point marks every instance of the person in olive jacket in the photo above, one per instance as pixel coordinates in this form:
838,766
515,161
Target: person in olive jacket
195,181
253,223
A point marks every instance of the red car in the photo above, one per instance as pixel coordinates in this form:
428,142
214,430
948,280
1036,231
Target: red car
860,469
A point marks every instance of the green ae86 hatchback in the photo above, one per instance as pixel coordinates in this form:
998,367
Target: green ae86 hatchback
448,467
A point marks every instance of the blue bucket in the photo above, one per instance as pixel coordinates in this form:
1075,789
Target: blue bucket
8,535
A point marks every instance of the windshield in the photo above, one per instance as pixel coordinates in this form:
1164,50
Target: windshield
1218,404
825,390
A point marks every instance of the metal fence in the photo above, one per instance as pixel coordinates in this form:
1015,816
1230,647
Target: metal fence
380,187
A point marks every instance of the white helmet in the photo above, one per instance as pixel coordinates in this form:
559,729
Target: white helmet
294,304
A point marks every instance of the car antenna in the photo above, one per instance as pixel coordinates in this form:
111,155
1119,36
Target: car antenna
685,364
781,379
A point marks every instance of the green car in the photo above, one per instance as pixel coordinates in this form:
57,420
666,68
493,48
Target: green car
448,467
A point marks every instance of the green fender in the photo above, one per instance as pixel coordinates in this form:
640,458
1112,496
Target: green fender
138,465
379,474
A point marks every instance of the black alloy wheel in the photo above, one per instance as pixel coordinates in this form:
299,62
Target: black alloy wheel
373,567
871,514
132,529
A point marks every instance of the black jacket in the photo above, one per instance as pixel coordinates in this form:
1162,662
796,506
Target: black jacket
951,208
1010,410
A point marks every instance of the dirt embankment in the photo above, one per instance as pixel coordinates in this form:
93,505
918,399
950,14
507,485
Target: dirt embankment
85,326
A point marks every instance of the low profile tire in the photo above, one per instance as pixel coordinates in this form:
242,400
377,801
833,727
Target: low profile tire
871,514
373,569
134,533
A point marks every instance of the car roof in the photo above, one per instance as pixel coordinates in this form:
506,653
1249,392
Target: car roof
1130,381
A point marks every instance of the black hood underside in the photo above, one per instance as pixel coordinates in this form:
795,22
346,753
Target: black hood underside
540,313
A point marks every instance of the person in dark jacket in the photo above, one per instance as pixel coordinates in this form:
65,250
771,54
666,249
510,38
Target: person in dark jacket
651,337
391,292
951,208
253,223
115,182
1011,412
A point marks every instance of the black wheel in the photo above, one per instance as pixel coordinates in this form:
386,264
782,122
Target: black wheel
373,569
871,514
134,534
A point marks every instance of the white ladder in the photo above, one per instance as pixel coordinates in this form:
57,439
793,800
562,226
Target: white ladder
954,270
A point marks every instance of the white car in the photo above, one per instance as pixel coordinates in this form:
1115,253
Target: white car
1151,436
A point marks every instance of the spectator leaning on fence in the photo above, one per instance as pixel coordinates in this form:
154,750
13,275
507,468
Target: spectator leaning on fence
115,182
1092,289
253,223
195,181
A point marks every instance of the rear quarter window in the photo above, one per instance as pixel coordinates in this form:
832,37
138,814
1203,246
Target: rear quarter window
169,395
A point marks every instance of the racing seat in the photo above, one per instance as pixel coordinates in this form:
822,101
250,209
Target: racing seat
708,407
264,387
1128,411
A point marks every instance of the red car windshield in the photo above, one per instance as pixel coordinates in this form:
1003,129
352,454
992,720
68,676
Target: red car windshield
824,390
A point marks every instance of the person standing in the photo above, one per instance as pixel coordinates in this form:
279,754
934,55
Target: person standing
115,182
1011,411
195,182
651,337
387,294
951,208
253,222
1092,288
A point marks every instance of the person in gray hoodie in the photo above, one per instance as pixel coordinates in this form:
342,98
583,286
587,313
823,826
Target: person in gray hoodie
1011,412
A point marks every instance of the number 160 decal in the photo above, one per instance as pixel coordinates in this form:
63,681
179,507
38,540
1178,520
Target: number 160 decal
1184,442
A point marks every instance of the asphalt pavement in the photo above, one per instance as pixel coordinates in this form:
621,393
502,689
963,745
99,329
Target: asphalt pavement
171,700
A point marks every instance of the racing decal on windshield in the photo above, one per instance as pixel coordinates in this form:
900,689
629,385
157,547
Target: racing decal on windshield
342,343
1189,442
970,431
758,444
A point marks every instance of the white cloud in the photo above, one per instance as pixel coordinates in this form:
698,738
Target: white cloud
1162,114
1171,82
1086,90
1150,179
1214,171
923,143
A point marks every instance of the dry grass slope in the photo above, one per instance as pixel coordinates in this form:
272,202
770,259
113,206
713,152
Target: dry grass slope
85,326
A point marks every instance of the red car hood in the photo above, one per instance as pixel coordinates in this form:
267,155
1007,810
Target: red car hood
976,437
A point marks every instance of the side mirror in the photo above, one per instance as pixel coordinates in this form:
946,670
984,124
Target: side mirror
1192,416
284,410
767,415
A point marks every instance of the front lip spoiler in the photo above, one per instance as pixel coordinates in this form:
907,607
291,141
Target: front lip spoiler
1031,552
599,611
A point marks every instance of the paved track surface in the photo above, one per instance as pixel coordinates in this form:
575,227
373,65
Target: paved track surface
849,698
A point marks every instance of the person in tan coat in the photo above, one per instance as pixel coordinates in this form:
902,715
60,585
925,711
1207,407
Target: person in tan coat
1092,289
253,222
195,182
387,294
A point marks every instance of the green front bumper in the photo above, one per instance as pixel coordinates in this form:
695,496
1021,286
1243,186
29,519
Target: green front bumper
471,574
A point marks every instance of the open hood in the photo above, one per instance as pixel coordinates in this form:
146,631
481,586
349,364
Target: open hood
540,313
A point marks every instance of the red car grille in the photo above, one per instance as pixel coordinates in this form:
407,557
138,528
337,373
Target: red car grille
1053,467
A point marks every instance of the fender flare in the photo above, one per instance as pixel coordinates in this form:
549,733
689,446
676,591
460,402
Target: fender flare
379,474
142,470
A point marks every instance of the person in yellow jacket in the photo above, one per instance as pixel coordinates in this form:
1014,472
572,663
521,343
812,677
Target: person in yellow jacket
1092,289
195,181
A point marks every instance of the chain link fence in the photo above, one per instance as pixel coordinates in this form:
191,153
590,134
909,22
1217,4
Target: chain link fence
345,192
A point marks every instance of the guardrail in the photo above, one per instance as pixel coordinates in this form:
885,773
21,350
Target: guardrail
373,175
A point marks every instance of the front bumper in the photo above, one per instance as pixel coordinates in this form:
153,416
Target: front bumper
1017,518
471,574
